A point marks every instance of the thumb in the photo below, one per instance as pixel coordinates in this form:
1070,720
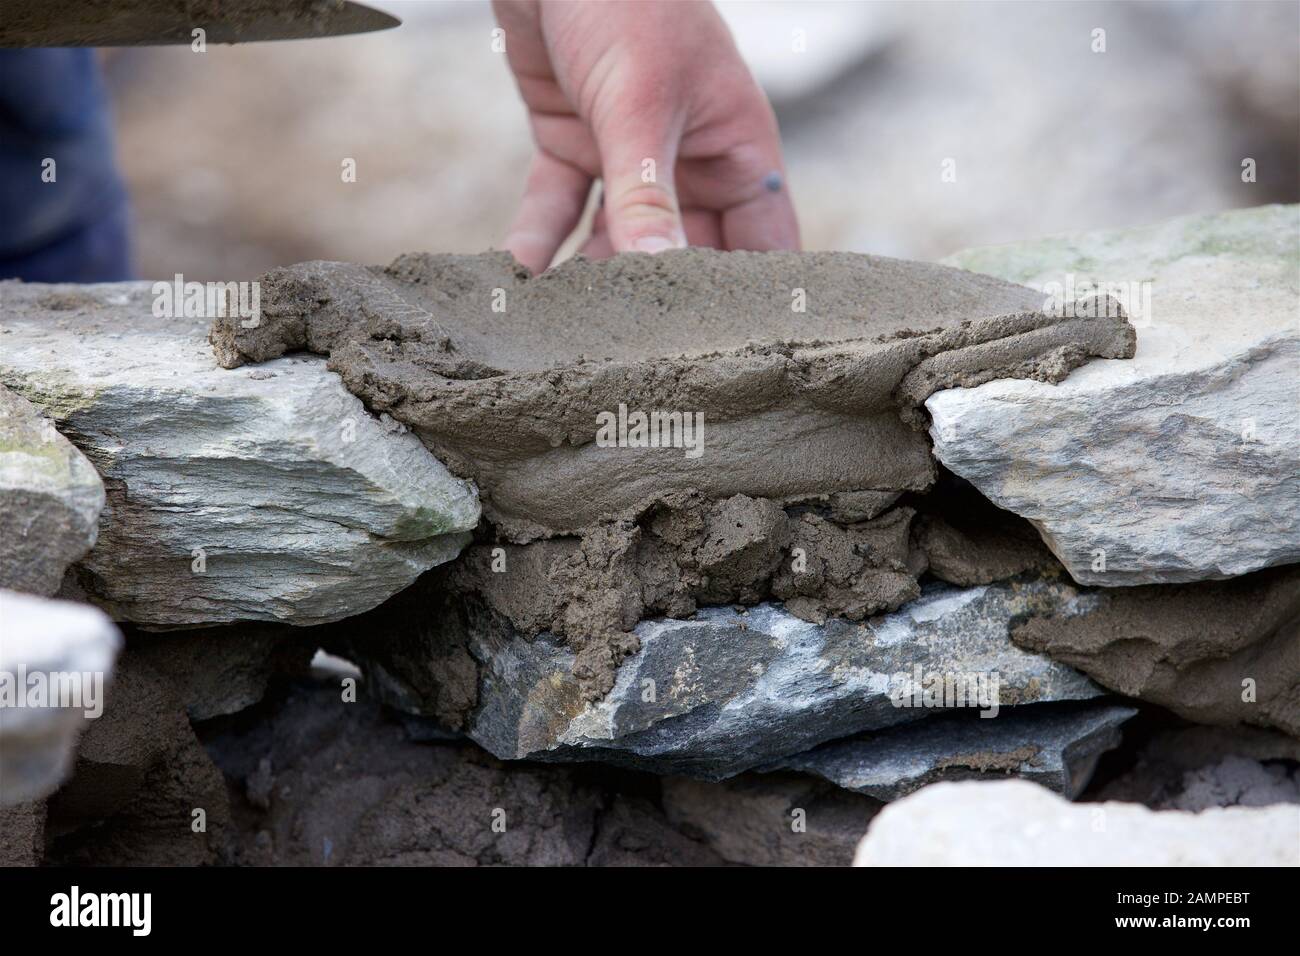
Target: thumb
637,160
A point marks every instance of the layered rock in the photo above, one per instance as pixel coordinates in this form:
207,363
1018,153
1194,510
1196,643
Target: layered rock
50,500
56,659
1056,747
1016,823
264,494
725,689
1182,464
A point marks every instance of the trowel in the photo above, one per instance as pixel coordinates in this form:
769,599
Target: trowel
45,23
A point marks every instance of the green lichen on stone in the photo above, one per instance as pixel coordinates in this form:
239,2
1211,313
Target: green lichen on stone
57,397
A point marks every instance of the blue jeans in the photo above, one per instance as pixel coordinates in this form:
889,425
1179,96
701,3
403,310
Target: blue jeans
53,106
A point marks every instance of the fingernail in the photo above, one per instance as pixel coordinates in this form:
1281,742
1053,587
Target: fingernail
653,244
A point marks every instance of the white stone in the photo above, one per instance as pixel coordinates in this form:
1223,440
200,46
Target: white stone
51,645
1017,823
1182,463
263,493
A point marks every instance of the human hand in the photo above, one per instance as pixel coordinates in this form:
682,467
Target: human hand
652,98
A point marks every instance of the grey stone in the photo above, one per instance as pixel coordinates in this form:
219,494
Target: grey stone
258,494
50,500
1017,823
1055,746
1183,463
56,659
733,690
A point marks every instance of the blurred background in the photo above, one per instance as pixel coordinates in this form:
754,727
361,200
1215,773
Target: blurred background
233,157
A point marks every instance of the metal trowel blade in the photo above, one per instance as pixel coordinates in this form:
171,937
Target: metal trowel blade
45,23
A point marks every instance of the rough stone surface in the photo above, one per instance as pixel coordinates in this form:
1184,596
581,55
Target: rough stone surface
503,374
301,506
50,500
426,804
44,646
731,689
1217,652
770,819
22,834
1056,746
1016,823
1243,764
1237,782
317,782
1182,464
140,774
222,670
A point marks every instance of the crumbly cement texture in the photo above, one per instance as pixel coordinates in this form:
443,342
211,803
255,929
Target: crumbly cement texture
808,370
684,552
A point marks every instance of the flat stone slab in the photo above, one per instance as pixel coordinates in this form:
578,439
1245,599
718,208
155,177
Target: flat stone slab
724,691
259,494
1183,463
56,659
1056,746
50,499
1017,823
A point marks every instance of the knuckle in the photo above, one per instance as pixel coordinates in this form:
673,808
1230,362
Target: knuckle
646,200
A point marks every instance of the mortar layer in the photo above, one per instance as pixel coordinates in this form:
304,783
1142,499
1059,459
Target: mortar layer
683,553
802,375
503,374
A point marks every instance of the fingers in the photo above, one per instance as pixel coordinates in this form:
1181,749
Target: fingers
638,152
552,205
703,228
765,222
